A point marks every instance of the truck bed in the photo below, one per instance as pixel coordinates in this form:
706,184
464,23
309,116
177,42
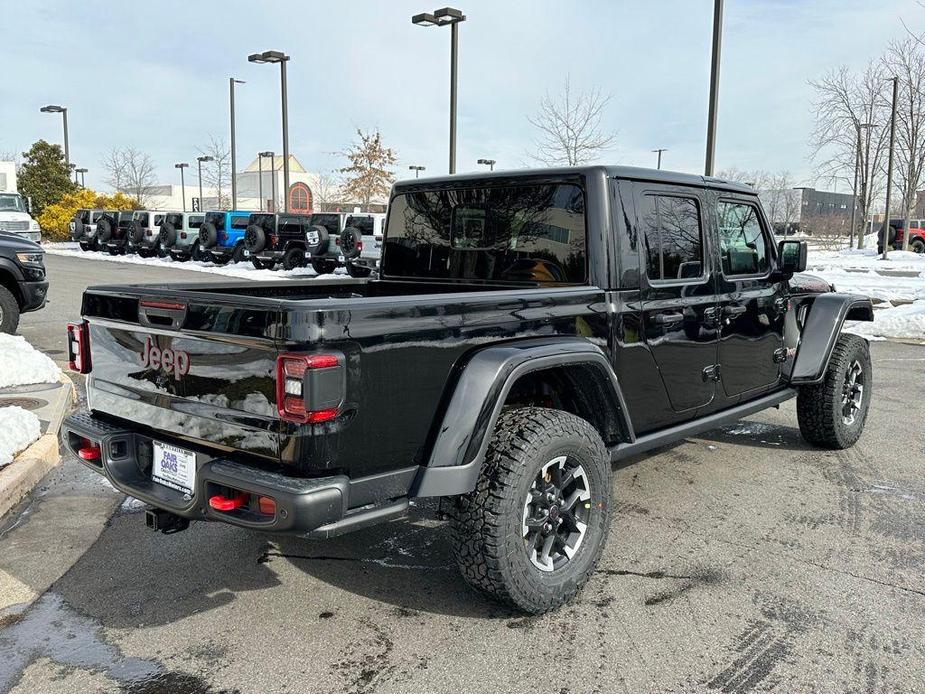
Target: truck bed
401,342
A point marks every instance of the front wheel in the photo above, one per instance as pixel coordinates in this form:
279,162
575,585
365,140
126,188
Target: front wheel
9,311
832,414
918,246
532,531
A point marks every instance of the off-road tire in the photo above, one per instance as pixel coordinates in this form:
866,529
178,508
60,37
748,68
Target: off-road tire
324,267
917,246
9,311
350,243
196,253
255,240
86,247
486,524
294,258
237,256
358,270
262,264
819,406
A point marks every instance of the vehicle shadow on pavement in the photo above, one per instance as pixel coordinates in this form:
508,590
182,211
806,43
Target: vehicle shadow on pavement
132,576
758,435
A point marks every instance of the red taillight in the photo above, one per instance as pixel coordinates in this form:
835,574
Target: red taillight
182,234
359,245
78,347
221,236
271,239
291,370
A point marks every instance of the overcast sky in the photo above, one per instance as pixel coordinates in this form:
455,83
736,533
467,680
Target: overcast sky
154,75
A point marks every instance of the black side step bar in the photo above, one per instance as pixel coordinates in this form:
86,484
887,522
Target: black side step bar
698,426
361,518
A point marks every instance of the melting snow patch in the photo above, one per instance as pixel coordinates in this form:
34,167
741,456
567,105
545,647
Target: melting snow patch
21,363
18,429
748,428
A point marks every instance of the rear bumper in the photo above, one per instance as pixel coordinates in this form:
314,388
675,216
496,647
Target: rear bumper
274,255
317,507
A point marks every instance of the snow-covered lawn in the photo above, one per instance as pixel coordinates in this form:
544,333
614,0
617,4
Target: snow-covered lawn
18,429
21,363
244,270
896,286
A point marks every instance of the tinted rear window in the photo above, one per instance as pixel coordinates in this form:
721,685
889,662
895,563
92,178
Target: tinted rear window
142,218
331,222
195,221
240,222
176,220
267,222
526,233
363,224
217,218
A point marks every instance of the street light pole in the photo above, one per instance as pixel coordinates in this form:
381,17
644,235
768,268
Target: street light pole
417,169
182,166
260,180
282,59
81,171
490,163
659,152
234,158
51,108
442,17
889,173
714,85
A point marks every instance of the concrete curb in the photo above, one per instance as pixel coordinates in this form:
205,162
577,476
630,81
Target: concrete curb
20,477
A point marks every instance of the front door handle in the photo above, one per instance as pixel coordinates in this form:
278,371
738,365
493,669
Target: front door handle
668,318
734,310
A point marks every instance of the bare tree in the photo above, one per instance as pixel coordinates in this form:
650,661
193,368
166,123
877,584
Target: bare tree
14,156
130,171
217,173
906,60
776,190
851,119
327,190
368,174
570,125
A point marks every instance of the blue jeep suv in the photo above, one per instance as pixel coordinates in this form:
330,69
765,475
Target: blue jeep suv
222,235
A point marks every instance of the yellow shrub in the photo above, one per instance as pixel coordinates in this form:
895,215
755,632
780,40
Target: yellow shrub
55,218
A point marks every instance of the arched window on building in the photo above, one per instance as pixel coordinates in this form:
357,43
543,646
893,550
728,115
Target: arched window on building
300,198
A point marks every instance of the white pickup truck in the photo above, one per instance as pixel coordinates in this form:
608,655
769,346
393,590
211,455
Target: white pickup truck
14,209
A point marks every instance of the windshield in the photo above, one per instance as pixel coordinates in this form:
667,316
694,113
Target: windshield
11,203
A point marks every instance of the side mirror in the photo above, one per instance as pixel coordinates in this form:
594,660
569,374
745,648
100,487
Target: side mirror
791,256
28,201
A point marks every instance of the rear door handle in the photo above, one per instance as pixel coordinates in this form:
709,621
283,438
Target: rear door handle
734,310
667,318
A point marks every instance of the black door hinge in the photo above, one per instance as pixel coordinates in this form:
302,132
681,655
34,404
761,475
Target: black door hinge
712,373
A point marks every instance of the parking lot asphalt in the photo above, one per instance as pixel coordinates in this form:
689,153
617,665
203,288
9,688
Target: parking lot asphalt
739,560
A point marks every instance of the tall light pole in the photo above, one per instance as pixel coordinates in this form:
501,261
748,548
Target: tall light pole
182,166
451,16
490,163
260,180
199,161
234,158
81,171
282,59
889,175
417,169
659,152
63,111
714,85
272,156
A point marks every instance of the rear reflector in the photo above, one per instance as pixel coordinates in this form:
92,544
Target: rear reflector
78,347
266,506
224,503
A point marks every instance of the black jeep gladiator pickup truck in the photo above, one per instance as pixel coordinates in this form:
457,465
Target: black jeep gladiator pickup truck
528,329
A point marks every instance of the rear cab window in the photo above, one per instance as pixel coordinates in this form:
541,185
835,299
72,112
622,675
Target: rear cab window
195,221
331,222
240,222
516,233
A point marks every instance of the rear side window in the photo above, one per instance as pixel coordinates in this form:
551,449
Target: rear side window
673,238
195,221
363,224
290,225
240,222
331,222
175,219
95,216
142,218
524,233
743,247
158,220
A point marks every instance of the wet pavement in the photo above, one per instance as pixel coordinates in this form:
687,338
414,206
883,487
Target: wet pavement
739,560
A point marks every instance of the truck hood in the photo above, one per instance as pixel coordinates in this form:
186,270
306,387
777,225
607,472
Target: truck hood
15,242
7,216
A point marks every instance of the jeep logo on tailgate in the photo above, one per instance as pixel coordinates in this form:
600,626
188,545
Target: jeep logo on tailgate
174,362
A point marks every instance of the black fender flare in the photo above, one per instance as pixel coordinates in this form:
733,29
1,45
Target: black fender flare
482,385
825,317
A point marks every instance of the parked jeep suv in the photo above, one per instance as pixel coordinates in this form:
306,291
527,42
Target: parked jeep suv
83,228
279,238
221,236
897,232
361,243
112,230
179,234
23,286
322,241
144,233
528,330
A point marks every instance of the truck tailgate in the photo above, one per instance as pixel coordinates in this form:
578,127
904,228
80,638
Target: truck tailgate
198,370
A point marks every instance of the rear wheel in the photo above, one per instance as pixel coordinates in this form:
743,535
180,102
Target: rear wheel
197,254
324,267
358,270
294,258
9,311
84,246
918,245
218,259
832,413
263,264
238,255
532,531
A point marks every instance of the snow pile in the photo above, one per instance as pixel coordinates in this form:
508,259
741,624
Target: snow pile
18,429
21,363
896,286
245,270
